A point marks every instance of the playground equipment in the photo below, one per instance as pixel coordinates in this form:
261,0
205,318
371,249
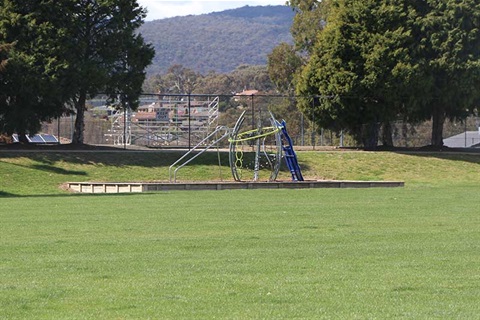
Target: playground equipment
258,148
290,155
190,155
256,139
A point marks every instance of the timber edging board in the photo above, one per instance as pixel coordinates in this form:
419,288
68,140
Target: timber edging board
127,187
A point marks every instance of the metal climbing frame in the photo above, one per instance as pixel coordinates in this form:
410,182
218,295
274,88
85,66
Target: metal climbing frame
226,133
258,137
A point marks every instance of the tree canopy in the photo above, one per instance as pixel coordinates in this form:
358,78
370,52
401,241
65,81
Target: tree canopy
180,79
448,52
310,18
105,53
283,64
31,64
65,51
354,69
376,61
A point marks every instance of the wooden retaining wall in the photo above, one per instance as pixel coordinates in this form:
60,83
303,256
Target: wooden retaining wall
127,187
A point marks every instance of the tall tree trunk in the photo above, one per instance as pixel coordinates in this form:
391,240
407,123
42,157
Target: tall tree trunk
387,135
79,119
22,138
438,119
370,135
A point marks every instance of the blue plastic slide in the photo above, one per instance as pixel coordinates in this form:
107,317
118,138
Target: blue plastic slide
290,156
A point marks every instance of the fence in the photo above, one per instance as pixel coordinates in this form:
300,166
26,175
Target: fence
185,120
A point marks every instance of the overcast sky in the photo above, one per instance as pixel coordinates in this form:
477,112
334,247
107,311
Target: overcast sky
159,9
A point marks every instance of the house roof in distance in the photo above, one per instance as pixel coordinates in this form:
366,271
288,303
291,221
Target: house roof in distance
468,139
247,93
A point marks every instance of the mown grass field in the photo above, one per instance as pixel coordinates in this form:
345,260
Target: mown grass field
410,252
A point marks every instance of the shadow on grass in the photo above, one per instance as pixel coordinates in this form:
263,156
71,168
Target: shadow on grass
470,155
4,194
469,159
50,168
47,161
110,156
102,157
451,155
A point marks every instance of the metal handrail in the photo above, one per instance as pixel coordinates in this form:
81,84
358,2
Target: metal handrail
217,129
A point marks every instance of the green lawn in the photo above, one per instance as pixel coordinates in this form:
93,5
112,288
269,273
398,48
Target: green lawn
410,252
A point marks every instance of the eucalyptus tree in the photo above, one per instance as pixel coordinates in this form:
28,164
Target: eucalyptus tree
215,83
246,77
286,61
181,79
283,63
310,18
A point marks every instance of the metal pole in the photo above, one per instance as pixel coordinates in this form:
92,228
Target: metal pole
189,124
176,114
253,112
257,152
148,132
256,168
58,130
302,129
314,125
124,127
71,127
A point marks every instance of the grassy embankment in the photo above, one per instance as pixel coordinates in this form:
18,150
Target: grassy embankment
408,252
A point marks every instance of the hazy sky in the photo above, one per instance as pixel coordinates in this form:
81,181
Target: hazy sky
159,9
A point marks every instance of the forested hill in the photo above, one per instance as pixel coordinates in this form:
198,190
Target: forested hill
219,41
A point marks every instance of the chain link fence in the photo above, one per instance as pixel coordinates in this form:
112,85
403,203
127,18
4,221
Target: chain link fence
185,120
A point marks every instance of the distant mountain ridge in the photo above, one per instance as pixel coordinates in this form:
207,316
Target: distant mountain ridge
219,41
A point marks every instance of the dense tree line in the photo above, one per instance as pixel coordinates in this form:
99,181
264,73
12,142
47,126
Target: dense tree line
182,80
57,54
371,62
355,65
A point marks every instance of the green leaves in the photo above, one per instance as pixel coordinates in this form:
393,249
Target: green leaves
67,50
390,59
310,19
30,80
283,63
